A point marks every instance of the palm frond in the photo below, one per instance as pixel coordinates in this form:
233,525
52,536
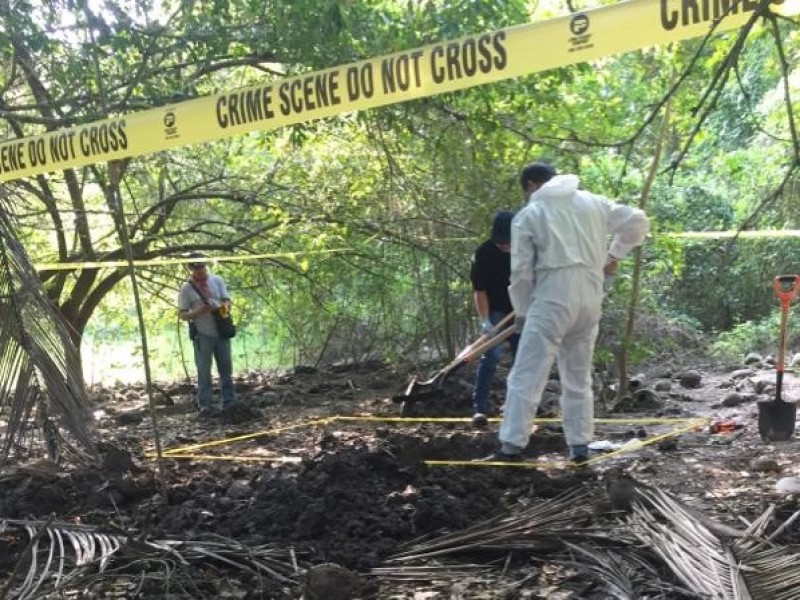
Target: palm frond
537,526
771,570
615,571
699,559
39,364
750,566
663,549
64,557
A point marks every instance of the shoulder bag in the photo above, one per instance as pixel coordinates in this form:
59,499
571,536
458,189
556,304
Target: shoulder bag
222,317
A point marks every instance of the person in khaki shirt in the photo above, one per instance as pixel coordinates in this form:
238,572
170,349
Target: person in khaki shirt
199,296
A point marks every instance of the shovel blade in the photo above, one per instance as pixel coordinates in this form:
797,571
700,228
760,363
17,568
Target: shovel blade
776,420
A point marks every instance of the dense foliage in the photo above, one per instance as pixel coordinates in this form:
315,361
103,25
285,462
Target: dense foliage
364,224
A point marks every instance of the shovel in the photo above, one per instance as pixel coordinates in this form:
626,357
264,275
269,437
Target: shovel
421,390
776,419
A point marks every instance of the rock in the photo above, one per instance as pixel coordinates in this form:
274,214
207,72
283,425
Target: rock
637,381
663,385
795,361
691,379
225,503
667,445
646,399
181,388
115,460
239,489
733,399
720,440
129,417
266,399
788,485
742,373
133,487
764,464
162,399
330,581
239,412
753,358
762,386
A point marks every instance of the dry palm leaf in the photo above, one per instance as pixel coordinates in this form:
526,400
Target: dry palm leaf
662,550
613,569
39,364
64,557
543,525
750,567
623,573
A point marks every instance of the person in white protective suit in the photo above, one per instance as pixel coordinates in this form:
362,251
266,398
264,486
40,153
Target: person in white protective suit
559,259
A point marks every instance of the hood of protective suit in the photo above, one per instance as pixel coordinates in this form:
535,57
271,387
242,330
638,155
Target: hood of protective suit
560,185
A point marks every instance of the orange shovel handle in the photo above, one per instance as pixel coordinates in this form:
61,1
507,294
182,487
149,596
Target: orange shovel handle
786,287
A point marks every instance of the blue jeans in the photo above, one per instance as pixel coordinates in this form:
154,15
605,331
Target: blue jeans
207,347
487,367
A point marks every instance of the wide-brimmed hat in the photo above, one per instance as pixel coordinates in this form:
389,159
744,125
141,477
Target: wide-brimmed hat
200,260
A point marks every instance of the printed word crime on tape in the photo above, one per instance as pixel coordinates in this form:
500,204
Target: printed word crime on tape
399,77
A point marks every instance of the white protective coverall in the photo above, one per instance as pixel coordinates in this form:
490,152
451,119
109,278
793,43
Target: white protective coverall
558,251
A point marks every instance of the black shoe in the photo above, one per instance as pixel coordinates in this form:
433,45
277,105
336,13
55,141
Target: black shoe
480,421
208,412
579,454
501,456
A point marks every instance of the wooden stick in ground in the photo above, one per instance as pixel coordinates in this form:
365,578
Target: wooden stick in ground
633,302
115,170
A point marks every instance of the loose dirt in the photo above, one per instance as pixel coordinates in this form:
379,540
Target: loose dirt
343,495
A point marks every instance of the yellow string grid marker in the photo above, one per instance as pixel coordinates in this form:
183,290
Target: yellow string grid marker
189,452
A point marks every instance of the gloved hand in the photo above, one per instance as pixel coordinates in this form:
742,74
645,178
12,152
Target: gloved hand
486,326
519,323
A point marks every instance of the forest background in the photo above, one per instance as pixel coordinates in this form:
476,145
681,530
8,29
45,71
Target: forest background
368,220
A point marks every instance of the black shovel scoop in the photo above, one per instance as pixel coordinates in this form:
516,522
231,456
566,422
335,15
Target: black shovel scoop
433,387
776,419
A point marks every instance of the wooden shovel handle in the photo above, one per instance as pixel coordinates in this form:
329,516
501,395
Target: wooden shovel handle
786,288
501,324
478,349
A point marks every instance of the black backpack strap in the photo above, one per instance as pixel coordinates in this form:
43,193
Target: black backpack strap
197,289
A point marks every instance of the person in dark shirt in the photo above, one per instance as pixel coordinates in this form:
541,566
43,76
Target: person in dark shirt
490,269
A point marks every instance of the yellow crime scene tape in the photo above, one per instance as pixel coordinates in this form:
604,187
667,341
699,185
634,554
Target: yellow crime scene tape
163,262
422,72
